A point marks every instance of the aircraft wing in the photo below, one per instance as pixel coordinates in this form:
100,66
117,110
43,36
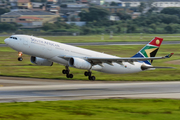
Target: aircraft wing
100,60
97,60
129,59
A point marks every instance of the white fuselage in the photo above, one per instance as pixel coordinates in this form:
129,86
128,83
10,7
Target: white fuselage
50,50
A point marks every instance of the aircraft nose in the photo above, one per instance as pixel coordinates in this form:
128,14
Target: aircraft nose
6,40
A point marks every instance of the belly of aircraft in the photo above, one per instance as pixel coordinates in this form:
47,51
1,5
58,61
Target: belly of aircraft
121,69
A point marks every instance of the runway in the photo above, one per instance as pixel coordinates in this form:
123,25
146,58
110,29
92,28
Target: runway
121,43
112,43
23,89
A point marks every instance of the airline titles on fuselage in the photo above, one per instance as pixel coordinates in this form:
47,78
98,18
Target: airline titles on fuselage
44,42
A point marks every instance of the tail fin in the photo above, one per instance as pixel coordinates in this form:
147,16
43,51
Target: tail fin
150,49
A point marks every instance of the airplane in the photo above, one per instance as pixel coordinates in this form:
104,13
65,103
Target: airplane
44,52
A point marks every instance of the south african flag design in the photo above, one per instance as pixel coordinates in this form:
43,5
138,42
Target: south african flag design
150,49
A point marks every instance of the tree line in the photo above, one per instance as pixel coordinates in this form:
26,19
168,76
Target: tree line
167,21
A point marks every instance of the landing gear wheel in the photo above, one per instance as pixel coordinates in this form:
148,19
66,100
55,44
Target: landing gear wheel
20,58
65,71
69,75
87,73
92,78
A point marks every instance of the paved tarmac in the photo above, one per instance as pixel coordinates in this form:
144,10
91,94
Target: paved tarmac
26,89
112,43
121,43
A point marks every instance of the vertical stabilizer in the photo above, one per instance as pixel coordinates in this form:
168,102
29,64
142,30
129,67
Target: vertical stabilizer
150,49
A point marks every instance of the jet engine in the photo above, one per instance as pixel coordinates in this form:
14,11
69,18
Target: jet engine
79,63
41,61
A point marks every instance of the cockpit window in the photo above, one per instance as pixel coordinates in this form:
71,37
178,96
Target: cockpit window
14,38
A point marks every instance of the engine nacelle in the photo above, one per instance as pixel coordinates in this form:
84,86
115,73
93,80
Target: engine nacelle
79,63
41,61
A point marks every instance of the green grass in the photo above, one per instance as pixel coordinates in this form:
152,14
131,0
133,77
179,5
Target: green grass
2,38
9,66
107,109
116,38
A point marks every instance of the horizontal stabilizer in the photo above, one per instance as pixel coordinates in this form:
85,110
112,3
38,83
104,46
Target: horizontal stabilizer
143,67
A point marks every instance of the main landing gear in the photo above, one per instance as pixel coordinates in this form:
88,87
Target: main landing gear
88,73
20,56
66,71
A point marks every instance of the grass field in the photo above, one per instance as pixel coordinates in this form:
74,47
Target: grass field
106,38
9,66
108,109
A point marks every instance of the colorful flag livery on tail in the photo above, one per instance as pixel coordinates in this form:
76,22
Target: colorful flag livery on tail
150,49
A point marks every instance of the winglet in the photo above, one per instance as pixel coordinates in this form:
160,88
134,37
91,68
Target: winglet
169,55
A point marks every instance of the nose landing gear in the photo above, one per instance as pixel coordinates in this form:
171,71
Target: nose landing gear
20,56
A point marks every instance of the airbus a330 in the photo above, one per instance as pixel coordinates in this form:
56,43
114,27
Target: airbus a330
45,52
